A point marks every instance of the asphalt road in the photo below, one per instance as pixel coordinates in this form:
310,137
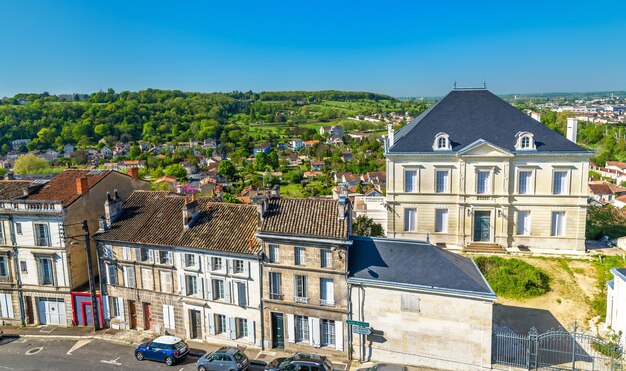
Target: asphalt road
57,354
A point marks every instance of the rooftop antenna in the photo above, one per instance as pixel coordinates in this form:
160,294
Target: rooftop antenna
484,84
454,84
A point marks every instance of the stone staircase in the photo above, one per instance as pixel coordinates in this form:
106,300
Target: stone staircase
484,248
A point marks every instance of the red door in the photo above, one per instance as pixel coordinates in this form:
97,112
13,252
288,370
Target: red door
147,316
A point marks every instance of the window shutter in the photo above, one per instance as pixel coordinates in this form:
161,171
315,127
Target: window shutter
200,286
211,318
339,336
232,328
291,336
246,268
172,318
251,331
120,308
229,264
166,316
314,330
227,291
181,284
6,304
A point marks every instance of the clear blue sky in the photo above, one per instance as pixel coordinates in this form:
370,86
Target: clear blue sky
412,48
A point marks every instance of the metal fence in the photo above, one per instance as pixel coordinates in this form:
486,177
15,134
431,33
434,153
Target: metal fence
556,350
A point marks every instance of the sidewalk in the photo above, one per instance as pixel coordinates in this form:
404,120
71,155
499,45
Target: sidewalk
134,338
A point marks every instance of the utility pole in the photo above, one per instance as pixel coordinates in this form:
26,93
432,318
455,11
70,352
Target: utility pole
18,272
92,286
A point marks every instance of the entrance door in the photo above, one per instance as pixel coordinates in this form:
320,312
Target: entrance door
88,314
278,334
132,309
482,226
51,311
196,324
147,316
30,317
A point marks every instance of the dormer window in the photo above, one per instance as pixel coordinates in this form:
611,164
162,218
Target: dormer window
525,141
442,142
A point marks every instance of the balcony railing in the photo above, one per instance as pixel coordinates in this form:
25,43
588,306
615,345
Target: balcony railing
32,206
274,296
301,300
327,303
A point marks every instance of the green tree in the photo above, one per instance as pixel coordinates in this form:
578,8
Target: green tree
365,226
227,169
177,171
261,161
30,164
134,151
605,220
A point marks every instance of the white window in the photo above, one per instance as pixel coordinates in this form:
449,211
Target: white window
190,260
299,255
328,332
147,282
442,142
441,220
275,286
242,327
112,274
42,235
146,255
301,288
166,281
523,223
326,257
6,306
191,283
410,303
107,251
242,298
114,309
45,271
560,183
216,264
410,180
482,185
129,276
4,267
558,223
441,181
220,323
409,219
168,317
302,328
18,228
524,182
274,254
237,266
126,252
327,292
218,289
165,257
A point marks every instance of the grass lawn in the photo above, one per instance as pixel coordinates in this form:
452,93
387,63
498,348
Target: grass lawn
603,269
291,191
513,278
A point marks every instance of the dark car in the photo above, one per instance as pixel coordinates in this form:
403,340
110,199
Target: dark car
168,349
301,362
225,358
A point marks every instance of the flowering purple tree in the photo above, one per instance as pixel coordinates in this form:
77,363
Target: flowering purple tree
188,189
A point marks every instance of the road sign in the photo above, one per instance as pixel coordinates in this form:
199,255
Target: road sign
357,323
361,330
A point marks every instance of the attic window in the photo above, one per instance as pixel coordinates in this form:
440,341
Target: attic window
442,142
525,142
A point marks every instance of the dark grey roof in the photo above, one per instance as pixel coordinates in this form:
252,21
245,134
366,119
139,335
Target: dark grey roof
473,114
621,272
415,263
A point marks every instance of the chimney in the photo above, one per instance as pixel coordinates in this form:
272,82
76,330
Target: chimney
9,176
190,211
102,224
112,208
133,172
82,185
572,129
342,203
261,206
536,116
390,135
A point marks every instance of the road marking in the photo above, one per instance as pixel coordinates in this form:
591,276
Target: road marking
79,344
47,329
112,362
181,369
6,368
33,351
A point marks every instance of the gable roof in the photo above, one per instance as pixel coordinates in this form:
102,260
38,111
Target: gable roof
156,218
304,217
63,186
12,189
414,263
468,115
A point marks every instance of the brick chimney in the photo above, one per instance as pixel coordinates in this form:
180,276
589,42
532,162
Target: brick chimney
190,211
82,185
134,172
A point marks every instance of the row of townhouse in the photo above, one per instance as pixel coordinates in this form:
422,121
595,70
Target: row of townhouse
286,274
42,246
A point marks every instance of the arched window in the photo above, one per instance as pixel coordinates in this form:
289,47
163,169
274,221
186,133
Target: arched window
442,142
525,142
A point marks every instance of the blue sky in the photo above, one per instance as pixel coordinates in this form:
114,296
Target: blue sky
412,48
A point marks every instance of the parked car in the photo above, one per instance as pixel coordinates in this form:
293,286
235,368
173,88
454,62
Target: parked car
384,367
224,359
168,349
301,361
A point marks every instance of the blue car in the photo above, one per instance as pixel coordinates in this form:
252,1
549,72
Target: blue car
168,349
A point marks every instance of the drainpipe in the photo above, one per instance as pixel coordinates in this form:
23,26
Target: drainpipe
18,274
350,318
260,260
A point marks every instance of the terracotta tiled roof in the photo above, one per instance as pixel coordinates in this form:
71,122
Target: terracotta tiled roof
605,188
156,218
63,186
305,217
12,189
620,165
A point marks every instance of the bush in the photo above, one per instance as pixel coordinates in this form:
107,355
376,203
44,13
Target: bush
513,278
